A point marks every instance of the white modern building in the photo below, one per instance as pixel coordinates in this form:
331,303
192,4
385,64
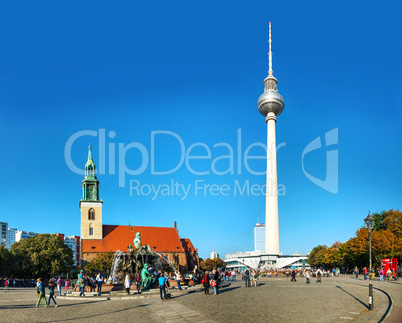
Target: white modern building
214,254
3,233
260,260
259,237
19,234
11,237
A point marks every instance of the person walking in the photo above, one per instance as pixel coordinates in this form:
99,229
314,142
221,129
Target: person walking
234,275
247,277
178,280
6,283
365,273
59,283
82,286
215,277
162,286
41,292
293,276
205,282
307,277
51,286
356,272
389,274
255,278
319,274
138,282
381,273
167,283
99,281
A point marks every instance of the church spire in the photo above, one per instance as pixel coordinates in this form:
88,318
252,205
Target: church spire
90,184
90,168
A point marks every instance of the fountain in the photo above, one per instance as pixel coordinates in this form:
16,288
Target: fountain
139,260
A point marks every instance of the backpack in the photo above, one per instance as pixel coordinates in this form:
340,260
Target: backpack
247,272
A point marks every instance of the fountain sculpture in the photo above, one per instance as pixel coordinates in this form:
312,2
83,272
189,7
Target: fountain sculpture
140,260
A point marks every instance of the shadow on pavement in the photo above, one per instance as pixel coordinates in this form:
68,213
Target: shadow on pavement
364,304
100,314
17,307
227,289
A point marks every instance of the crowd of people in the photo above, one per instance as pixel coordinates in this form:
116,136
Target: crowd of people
381,272
209,279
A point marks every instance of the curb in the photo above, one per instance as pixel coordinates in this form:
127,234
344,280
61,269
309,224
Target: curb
391,303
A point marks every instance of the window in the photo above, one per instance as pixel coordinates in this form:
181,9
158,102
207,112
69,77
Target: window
91,214
91,230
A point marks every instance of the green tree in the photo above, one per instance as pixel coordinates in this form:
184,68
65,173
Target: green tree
5,262
313,254
102,263
43,255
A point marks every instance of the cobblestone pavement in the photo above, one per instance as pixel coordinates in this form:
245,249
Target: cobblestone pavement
275,300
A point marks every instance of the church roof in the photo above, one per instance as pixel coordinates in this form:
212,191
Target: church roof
119,237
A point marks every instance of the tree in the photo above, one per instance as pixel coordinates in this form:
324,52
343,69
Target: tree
384,244
219,263
43,255
5,262
209,264
389,220
332,256
313,253
102,263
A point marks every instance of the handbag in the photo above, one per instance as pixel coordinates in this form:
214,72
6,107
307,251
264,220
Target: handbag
213,283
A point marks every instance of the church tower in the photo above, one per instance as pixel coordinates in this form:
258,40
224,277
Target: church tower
90,204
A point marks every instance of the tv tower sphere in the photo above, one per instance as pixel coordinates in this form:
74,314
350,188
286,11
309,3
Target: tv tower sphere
270,100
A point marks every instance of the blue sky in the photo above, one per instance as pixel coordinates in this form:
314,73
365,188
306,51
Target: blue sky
196,69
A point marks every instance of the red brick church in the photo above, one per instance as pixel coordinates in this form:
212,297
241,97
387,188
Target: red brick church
97,238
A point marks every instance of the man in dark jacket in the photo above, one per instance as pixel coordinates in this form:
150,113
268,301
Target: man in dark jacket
293,275
247,277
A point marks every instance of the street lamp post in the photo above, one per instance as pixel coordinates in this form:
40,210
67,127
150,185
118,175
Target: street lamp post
369,221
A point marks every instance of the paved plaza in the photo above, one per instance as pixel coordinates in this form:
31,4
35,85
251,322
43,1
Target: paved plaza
336,299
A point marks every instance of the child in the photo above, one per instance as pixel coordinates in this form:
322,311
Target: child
51,292
67,285
127,284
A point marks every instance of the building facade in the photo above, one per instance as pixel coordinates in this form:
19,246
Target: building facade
74,244
3,234
259,237
11,237
19,234
214,254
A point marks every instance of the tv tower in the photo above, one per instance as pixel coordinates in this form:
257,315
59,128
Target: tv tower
271,105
